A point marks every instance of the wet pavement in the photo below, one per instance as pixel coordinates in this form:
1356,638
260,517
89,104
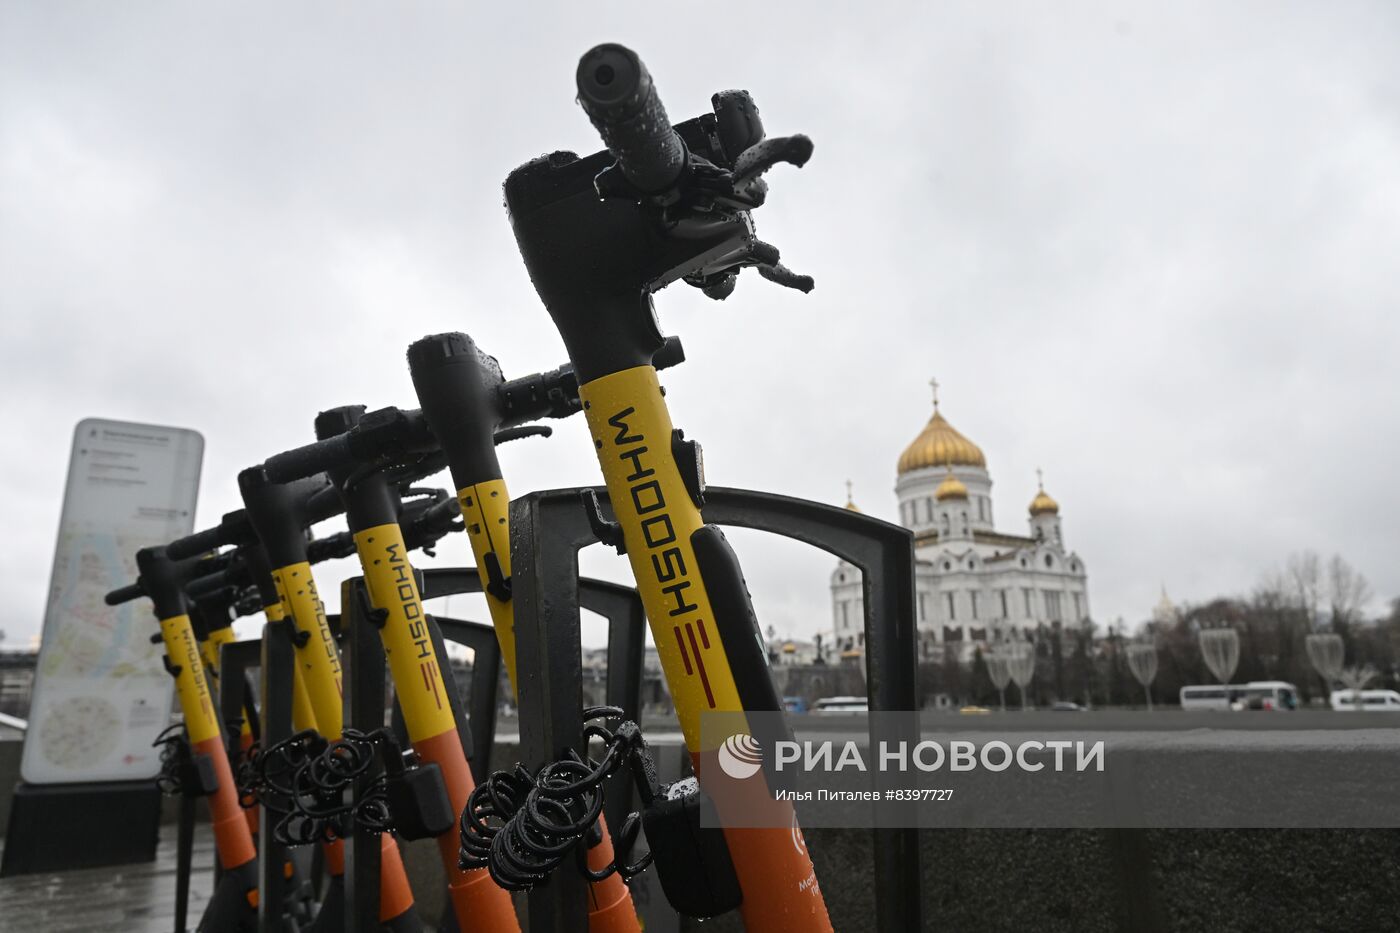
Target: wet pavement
129,898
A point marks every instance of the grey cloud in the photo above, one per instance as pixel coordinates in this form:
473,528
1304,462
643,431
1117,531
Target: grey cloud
1149,248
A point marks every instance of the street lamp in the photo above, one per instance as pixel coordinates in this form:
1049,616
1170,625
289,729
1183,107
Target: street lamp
1221,649
1020,656
1326,652
999,670
1142,660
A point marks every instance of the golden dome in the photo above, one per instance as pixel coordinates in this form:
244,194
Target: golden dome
940,444
850,503
950,488
1042,504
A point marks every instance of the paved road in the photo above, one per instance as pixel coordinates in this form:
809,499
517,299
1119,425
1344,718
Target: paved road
134,898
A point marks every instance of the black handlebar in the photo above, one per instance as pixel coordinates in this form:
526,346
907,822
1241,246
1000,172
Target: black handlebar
215,566
330,547
239,573
384,432
203,586
391,432
204,541
125,594
618,94
307,460
236,528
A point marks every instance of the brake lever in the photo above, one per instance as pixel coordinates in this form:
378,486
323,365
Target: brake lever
726,156
762,256
506,435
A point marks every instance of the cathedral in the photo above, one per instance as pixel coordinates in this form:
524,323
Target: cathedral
973,584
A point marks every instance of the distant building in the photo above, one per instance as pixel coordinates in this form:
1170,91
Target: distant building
972,582
17,681
787,652
1165,614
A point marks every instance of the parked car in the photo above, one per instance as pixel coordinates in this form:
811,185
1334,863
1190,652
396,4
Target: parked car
1372,701
1257,694
795,704
841,705
1066,706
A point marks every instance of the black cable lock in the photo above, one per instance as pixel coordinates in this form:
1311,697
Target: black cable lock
521,826
416,795
692,860
304,779
182,770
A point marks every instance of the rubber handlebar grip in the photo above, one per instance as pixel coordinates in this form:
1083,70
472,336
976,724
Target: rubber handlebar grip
618,94
330,547
210,583
125,594
198,543
308,460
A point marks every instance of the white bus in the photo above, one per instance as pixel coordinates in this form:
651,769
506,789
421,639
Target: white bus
1257,694
1372,701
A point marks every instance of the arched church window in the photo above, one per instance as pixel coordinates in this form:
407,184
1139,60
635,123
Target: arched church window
981,509
947,565
946,527
1049,561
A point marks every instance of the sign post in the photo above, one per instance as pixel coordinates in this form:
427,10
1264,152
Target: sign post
101,694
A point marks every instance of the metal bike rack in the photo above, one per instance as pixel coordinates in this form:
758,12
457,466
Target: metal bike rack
235,695
362,666
549,528
619,604
278,667
276,656
365,697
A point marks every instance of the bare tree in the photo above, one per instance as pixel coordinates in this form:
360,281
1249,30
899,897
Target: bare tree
1348,591
1274,590
1303,571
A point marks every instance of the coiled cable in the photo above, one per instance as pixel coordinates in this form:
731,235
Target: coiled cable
303,780
521,826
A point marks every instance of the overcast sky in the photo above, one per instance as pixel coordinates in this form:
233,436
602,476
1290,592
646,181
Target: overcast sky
1149,248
